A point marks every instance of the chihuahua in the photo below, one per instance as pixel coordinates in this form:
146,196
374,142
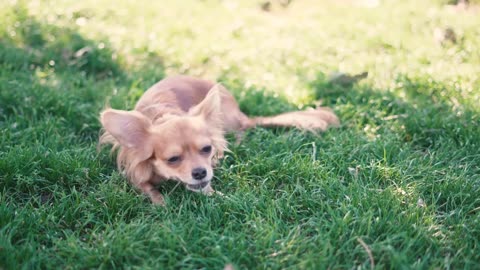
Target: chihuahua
176,131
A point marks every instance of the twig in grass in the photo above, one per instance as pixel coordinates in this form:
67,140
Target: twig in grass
229,267
314,152
369,252
396,116
175,187
474,210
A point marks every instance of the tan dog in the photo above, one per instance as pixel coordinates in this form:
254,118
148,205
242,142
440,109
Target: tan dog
176,131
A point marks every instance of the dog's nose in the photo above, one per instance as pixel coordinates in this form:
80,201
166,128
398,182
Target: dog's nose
199,173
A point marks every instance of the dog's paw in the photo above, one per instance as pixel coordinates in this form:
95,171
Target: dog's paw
158,200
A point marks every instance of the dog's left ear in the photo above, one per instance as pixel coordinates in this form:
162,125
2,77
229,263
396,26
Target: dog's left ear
210,108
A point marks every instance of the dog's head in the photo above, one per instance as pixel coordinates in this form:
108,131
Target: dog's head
178,147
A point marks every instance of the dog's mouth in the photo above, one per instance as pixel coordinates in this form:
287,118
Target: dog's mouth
198,186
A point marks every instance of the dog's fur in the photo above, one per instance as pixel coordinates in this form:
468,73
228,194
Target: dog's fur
176,131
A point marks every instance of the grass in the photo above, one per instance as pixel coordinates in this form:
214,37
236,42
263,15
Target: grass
400,178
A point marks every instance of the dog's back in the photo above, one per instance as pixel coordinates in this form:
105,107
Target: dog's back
180,91
178,94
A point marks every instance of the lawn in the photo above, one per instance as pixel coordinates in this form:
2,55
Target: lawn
396,186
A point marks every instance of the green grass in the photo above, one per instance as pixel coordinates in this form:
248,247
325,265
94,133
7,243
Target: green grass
401,174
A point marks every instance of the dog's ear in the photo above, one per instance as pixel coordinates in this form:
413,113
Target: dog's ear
129,128
210,108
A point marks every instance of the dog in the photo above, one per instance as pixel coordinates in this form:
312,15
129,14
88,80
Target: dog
176,132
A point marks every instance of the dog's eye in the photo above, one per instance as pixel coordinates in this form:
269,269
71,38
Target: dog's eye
207,149
174,159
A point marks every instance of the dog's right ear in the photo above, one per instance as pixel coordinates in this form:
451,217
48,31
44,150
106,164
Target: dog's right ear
129,128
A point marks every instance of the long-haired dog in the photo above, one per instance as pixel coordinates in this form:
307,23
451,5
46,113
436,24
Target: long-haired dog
176,131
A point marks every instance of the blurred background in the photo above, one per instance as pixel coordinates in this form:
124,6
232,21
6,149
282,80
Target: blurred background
283,46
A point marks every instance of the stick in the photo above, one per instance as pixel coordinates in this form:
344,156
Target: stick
369,252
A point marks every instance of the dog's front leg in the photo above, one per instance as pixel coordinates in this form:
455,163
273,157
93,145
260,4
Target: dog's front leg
216,159
154,195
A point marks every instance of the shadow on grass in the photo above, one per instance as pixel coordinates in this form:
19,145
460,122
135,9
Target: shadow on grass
55,82
424,111
419,113
57,73
53,72
36,45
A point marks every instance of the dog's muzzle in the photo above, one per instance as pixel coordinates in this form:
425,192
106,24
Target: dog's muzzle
199,186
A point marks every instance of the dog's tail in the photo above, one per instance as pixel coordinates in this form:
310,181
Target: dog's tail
319,119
